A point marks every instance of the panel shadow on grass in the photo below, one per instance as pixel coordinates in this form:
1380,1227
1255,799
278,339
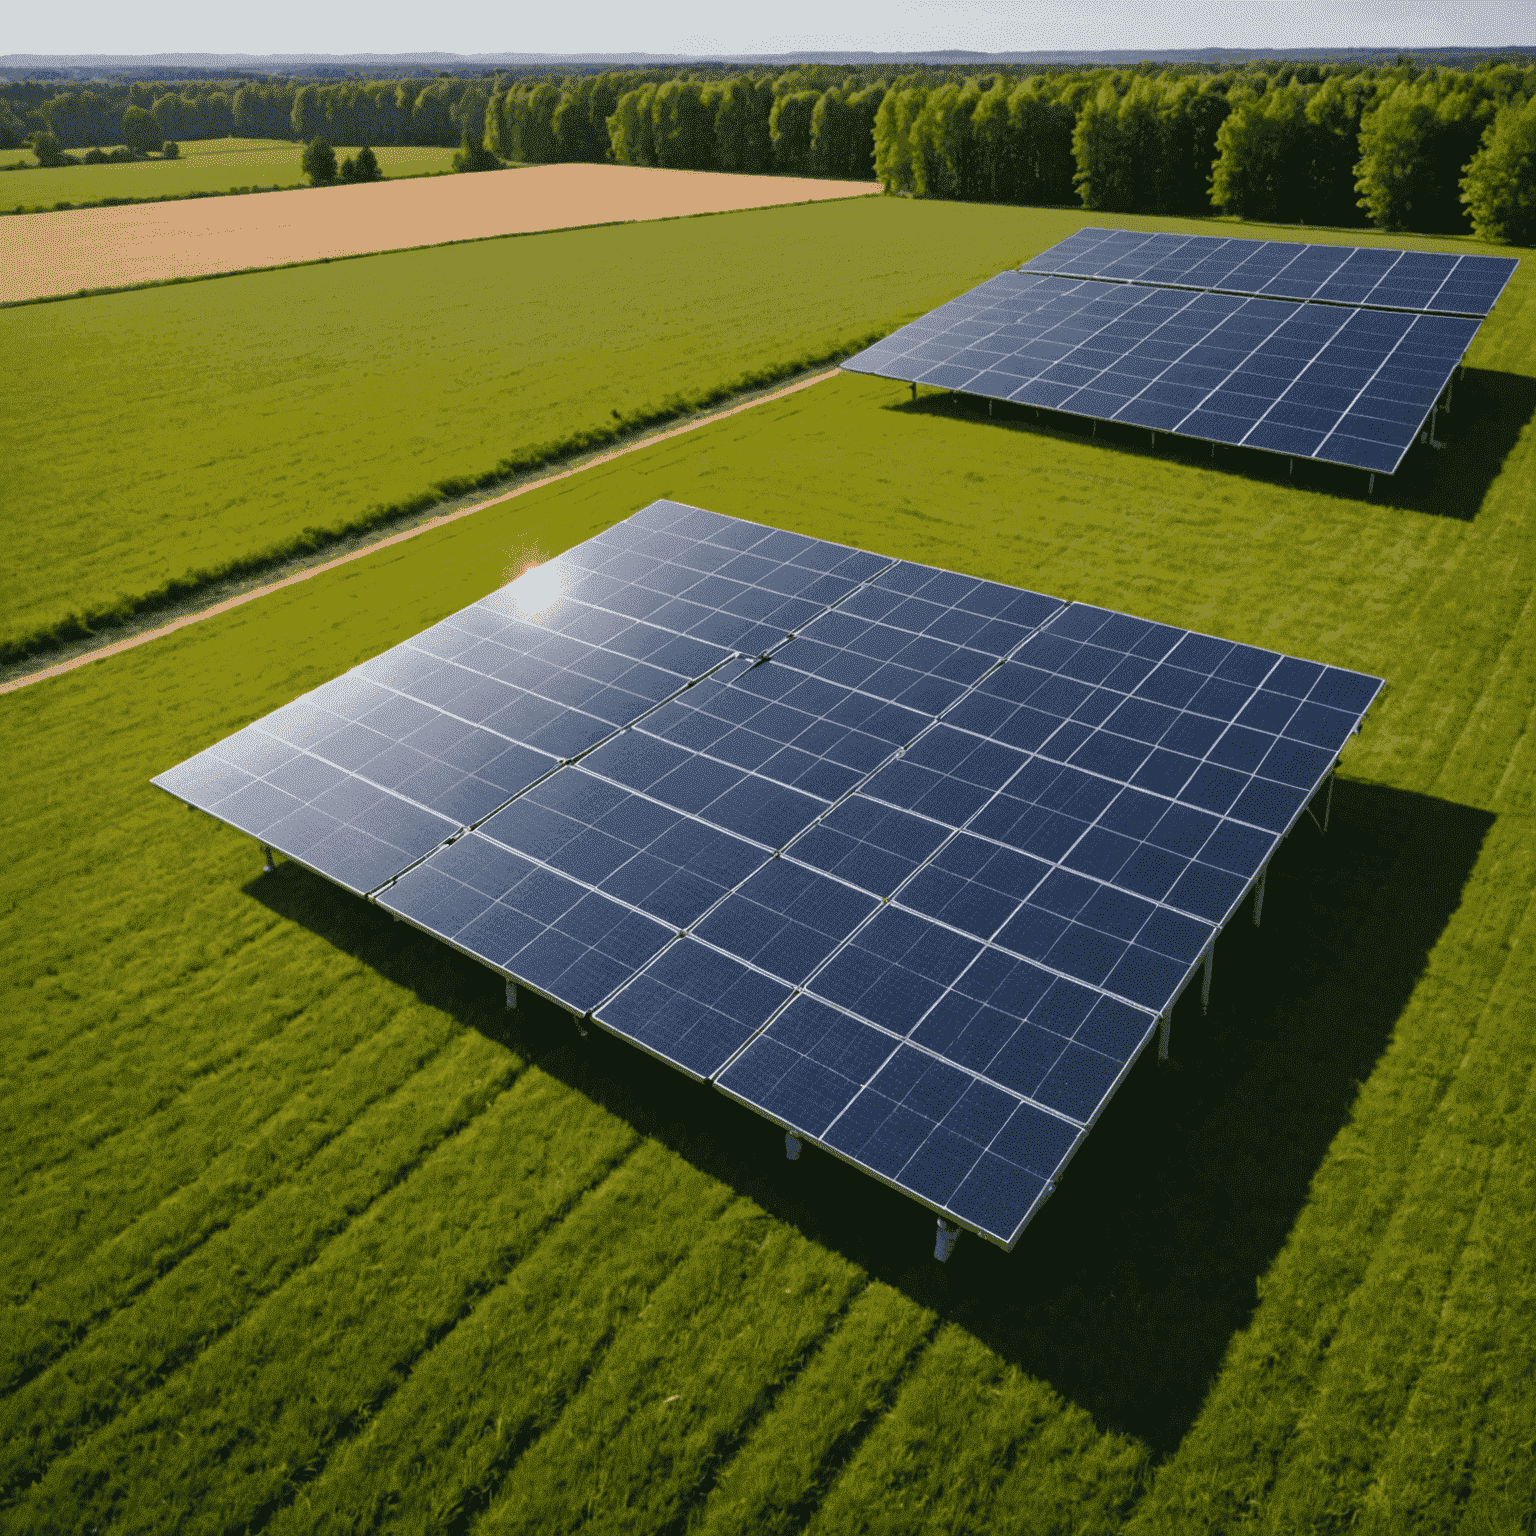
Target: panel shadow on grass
1125,1291
1489,412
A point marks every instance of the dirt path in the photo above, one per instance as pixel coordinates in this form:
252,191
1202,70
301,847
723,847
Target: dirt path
43,254
162,630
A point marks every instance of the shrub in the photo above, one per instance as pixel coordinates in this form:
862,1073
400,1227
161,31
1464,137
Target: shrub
171,150
319,162
94,157
364,168
474,156
46,147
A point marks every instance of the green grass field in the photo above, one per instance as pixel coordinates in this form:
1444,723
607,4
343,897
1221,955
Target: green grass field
205,165
303,1234
235,414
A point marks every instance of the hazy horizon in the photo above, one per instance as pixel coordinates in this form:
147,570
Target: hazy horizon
690,27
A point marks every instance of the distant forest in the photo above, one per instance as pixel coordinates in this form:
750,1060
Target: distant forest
1401,147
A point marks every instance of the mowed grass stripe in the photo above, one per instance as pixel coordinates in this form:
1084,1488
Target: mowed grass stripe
782,1471
736,1319
1256,1419
228,1137
437,1453
228,959
1389,1335
1437,1474
211,1290
973,1445
228,1441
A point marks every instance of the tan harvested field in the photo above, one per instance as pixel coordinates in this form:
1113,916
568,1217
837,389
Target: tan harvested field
52,253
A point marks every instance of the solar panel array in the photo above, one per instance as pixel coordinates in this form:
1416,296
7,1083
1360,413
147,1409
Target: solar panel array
1328,352
1426,281
909,862
1317,381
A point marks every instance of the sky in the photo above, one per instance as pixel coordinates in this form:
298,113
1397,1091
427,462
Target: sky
708,27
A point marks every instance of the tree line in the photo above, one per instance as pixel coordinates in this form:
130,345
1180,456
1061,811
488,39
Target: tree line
1437,150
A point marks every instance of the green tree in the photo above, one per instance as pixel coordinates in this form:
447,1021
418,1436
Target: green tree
307,115
893,137
946,161
472,155
364,168
171,149
171,113
1261,169
1499,188
789,126
863,107
1041,127
1414,147
1118,145
742,139
319,162
631,133
140,131
683,130
46,147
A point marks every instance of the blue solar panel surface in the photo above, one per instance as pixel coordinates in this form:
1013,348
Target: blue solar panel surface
1343,386
1426,281
907,861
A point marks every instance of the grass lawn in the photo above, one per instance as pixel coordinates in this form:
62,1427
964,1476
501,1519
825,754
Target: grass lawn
205,165
303,1233
214,422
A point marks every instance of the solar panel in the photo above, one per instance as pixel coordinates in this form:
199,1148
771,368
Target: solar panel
1316,381
1424,281
909,862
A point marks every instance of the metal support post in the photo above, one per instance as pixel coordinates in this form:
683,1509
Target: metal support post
1370,489
581,1025
914,389
1328,800
270,865
944,1242
1164,1029
1258,896
792,1145
1434,415
1290,469
1449,391
512,996
1205,986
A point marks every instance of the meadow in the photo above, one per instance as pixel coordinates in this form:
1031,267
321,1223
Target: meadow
245,419
204,166
305,1232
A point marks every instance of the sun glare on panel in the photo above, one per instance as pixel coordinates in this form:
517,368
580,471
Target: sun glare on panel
537,588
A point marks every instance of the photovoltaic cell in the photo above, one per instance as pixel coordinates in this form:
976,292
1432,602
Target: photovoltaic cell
1425,281
554,934
907,861
1340,385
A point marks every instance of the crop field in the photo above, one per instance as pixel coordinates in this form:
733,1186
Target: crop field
305,1232
205,165
238,414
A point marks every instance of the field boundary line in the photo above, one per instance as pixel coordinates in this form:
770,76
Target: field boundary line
60,668
871,190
